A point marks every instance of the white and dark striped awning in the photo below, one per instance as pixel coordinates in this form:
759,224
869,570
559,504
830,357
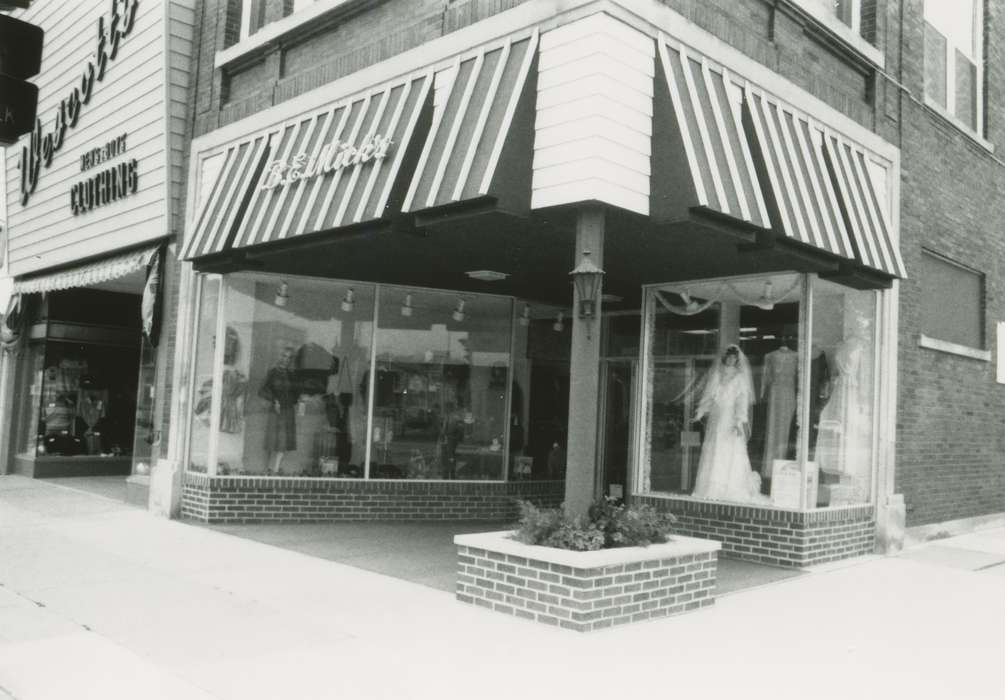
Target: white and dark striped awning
866,212
790,147
332,168
217,215
477,101
707,118
756,159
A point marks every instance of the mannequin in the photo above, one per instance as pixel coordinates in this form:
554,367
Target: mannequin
724,471
845,437
280,390
779,388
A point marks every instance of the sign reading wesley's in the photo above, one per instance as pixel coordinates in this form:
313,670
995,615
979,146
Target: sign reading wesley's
327,159
43,146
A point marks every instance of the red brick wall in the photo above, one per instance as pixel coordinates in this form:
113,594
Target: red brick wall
769,536
951,423
253,499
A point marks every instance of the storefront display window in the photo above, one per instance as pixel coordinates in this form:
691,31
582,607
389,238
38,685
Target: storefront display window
30,387
201,401
726,370
844,406
440,388
329,378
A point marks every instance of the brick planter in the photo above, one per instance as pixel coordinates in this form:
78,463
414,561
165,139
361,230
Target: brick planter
585,591
250,499
792,539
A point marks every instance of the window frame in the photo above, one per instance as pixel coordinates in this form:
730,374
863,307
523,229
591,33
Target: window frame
949,109
933,342
850,35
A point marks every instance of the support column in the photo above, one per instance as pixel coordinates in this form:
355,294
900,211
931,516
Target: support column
584,375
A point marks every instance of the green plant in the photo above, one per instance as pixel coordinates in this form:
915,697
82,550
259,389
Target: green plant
608,524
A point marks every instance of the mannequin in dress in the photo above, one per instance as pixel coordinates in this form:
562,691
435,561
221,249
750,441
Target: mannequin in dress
280,390
779,388
843,443
724,471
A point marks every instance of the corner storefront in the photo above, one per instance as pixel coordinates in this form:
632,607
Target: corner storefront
92,194
379,322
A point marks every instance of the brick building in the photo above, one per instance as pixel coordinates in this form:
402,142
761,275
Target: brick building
385,200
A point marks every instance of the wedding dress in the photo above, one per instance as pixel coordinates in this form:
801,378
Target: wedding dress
845,437
724,471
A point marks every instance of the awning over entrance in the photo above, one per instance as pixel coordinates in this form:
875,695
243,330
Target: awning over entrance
753,158
477,101
89,274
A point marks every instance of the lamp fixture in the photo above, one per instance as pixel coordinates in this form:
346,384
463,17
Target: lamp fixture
559,325
525,316
586,277
406,306
458,314
282,294
486,275
349,301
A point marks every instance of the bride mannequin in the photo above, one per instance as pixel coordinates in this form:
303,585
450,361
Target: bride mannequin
724,471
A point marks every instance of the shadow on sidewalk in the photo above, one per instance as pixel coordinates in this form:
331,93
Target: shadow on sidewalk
424,553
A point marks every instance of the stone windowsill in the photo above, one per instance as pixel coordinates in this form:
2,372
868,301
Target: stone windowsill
930,343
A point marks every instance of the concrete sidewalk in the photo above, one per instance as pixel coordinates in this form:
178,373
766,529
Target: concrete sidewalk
100,600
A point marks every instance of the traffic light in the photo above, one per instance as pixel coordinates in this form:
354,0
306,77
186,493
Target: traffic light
20,59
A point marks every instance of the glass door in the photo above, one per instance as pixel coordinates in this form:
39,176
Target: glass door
617,380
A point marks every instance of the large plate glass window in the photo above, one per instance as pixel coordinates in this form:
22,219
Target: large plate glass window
727,370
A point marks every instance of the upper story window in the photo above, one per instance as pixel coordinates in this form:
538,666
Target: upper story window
954,58
253,14
848,12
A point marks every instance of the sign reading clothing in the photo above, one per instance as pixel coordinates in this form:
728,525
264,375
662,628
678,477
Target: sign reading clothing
43,146
327,159
108,185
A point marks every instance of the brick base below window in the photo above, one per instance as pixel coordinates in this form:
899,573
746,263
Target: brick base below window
771,536
228,499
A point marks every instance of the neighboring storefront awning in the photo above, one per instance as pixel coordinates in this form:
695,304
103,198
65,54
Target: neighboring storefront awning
755,159
88,274
478,102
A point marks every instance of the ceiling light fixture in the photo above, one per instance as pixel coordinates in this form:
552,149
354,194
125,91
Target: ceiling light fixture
458,314
349,301
559,325
406,306
486,275
282,294
525,316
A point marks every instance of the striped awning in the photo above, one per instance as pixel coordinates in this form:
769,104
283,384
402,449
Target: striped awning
863,208
476,102
706,116
217,214
752,157
790,147
331,168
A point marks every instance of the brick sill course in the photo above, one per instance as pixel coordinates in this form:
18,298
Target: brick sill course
585,591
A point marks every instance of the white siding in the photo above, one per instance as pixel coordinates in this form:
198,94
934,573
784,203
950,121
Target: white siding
593,128
131,99
180,47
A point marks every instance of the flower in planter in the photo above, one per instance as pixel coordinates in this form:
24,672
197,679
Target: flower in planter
608,524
